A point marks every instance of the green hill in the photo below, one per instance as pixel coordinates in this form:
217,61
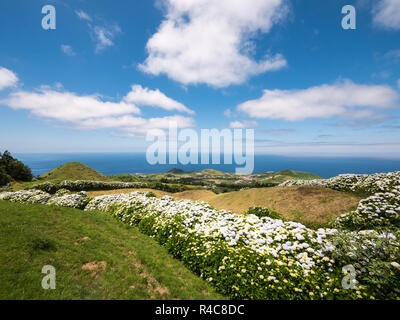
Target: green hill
94,255
176,171
213,172
74,171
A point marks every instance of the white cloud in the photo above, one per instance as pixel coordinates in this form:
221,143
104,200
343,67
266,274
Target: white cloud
398,83
243,124
91,112
104,36
102,33
208,41
320,102
130,124
155,98
387,14
7,78
228,113
83,15
68,50
66,106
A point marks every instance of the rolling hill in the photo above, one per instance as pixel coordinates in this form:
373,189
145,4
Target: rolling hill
74,171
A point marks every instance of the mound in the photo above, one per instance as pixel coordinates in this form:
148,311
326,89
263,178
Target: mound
74,171
308,205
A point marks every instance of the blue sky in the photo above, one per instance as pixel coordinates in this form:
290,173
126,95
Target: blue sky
111,71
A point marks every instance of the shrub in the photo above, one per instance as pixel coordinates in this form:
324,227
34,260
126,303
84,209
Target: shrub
375,258
380,211
13,168
264,212
4,177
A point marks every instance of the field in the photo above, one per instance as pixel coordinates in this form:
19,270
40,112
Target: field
312,206
95,257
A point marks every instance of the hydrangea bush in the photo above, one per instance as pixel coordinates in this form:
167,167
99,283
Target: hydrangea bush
86,185
380,211
360,183
375,258
62,199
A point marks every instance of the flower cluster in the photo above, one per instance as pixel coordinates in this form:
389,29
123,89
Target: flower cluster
361,183
375,258
87,185
30,196
382,210
78,200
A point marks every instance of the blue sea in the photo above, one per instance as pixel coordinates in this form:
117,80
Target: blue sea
118,163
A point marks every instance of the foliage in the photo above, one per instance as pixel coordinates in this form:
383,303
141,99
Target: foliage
13,169
375,257
264,212
4,177
357,183
380,211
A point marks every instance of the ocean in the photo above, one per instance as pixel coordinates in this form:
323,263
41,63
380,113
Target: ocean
118,163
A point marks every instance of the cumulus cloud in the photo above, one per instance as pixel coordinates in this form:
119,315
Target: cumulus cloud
155,98
323,101
67,49
92,112
7,78
387,14
243,124
208,41
66,106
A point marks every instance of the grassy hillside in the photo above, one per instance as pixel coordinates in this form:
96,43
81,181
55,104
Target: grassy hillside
74,171
95,257
285,175
313,206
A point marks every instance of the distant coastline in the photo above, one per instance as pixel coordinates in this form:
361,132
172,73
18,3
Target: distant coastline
119,163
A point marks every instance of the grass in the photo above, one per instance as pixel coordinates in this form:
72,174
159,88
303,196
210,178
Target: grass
74,171
312,206
95,257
